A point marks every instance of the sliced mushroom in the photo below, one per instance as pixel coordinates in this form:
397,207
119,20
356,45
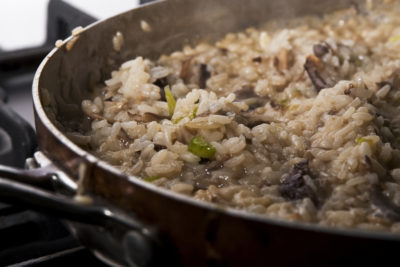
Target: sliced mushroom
96,116
147,117
203,175
248,120
347,91
275,106
124,138
203,76
247,91
223,51
295,187
158,147
388,209
185,69
248,96
257,59
320,50
283,60
255,103
311,68
393,81
162,83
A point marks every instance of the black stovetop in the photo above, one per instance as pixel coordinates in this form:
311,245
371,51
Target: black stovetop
32,239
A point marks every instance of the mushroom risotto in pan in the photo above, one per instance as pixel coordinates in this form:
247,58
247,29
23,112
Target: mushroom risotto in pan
298,120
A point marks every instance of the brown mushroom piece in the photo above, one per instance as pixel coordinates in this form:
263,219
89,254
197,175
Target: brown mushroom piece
275,106
388,209
203,175
96,116
284,60
203,76
311,68
147,117
247,91
320,50
248,119
224,51
247,95
123,137
158,147
185,69
162,83
294,187
393,81
257,59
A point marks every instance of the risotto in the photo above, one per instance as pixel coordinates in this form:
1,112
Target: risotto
297,120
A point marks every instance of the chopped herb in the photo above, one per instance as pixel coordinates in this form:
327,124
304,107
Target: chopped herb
199,147
362,139
294,107
356,60
175,121
194,113
279,104
191,116
284,102
297,92
394,39
170,100
151,178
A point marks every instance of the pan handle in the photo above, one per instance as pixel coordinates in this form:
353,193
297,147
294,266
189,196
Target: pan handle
41,177
40,172
138,242
17,193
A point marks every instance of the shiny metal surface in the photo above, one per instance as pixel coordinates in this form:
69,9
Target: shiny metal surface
200,233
